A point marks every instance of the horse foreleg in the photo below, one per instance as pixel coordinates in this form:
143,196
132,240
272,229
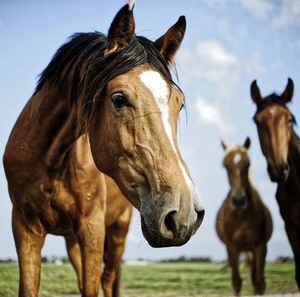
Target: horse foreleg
91,240
293,233
29,242
74,253
252,266
297,265
233,258
115,242
260,253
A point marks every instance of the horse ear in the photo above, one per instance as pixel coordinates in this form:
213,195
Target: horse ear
247,143
255,92
121,31
223,144
169,43
288,92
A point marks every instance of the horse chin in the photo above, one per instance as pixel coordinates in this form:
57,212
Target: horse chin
157,241
276,177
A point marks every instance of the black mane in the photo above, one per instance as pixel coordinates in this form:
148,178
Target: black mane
81,67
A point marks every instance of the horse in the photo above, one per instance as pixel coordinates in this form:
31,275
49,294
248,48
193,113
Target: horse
281,147
103,105
117,219
243,223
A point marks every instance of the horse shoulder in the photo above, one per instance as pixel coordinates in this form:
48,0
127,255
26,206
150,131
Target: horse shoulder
81,181
263,216
288,198
224,221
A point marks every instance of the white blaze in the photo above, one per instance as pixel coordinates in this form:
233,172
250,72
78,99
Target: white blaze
159,88
237,158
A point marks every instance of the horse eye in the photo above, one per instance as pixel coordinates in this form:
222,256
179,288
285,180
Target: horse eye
119,100
290,121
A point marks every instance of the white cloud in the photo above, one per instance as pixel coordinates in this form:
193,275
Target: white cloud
218,69
289,14
258,8
210,60
215,53
211,114
283,14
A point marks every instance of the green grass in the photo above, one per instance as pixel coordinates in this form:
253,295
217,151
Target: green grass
155,280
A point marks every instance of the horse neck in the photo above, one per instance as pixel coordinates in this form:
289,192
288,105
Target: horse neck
56,119
294,154
249,187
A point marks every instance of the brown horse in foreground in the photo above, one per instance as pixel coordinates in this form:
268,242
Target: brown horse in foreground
117,218
243,223
103,104
281,146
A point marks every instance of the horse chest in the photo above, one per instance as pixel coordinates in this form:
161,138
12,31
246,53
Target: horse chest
288,198
64,198
83,190
243,236
241,231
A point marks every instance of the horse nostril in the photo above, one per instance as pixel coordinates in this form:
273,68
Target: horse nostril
239,201
200,216
285,167
170,222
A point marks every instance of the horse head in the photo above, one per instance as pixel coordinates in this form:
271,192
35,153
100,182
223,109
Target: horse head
237,163
274,125
133,131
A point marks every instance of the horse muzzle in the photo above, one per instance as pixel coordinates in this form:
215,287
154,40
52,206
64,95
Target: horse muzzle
280,173
239,201
171,228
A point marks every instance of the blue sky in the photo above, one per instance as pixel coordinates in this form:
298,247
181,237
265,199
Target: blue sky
228,43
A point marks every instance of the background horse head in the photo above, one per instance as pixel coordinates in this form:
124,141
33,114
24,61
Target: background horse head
274,123
236,162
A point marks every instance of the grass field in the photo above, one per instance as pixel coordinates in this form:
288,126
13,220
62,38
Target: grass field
155,280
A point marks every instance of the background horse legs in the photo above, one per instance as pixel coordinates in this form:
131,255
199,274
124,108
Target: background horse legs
91,241
74,253
115,242
294,237
258,269
28,245
233,258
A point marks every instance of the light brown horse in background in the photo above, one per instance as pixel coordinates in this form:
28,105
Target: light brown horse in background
117,220
281,146
243,222
103,104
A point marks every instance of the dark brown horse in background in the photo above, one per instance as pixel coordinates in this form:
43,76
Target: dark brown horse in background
103,104
117,219
243,223
281,147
